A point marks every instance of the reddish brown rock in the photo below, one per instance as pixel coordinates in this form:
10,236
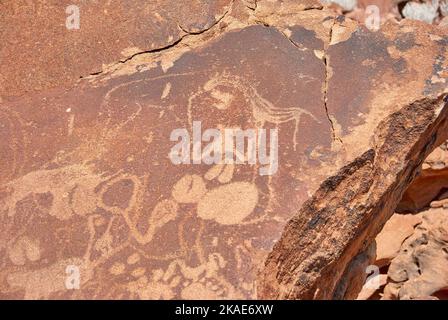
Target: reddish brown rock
396,230
343,217
425,188
421,268
430,186
87,182
39,52
393,239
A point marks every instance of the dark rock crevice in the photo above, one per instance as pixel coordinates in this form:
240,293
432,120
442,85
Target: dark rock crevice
326,61
174,44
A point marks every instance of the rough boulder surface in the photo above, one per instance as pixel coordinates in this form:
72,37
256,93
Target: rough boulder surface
411,249
419,269
86,181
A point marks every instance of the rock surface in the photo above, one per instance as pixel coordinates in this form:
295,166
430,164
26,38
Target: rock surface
396,230
420,269
403,243
430,186
426,12
85,177
50,55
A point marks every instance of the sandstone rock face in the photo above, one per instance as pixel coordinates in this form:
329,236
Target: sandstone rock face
426,187
396,230
407,240
420,269
109,32
430,186
87,182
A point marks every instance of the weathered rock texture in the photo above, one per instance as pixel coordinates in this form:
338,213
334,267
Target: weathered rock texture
389,241
420,269
86,180
411,248
48,55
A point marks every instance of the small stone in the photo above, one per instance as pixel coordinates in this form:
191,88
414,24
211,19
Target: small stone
347,5
420,11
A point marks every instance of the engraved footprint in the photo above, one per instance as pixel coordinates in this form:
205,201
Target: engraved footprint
228,204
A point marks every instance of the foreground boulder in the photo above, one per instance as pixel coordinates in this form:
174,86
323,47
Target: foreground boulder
89,185
411,247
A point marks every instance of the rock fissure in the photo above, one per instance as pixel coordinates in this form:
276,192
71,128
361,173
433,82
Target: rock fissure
328,73
173,45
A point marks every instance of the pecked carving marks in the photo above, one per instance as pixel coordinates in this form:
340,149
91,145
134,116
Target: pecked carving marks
110,183
229,204
72,190
13,144
146,228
